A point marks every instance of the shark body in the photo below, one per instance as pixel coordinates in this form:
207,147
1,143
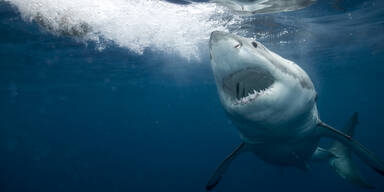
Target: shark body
272,102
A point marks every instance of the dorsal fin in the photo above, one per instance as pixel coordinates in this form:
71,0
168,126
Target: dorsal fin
339,148
349,128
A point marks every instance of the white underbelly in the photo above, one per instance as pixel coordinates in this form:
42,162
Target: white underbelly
284,144
271,130
259,133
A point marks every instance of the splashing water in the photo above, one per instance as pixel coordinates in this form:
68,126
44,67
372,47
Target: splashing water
134,24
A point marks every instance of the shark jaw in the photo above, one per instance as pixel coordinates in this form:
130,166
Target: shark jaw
246,85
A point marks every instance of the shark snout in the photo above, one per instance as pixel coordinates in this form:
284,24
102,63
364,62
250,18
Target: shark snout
217,36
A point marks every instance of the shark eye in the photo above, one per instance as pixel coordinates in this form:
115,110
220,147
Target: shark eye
254,44
237,46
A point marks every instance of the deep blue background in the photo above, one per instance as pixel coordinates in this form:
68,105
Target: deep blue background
76,119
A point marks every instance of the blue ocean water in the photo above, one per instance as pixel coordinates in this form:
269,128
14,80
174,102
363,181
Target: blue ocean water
115,109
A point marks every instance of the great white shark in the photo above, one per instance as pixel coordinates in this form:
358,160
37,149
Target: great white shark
264,6
272,102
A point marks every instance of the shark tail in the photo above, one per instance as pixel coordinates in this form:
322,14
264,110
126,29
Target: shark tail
341,161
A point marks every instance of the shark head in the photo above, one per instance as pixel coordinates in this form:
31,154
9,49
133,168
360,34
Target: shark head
257,85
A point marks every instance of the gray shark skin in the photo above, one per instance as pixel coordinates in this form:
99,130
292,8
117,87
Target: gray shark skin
272,102
248,7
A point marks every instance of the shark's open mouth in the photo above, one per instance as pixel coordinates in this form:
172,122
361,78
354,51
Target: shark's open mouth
247,84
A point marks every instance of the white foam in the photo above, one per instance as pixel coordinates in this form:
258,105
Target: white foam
134,24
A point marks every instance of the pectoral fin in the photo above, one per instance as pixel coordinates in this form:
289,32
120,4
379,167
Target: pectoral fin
215,179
